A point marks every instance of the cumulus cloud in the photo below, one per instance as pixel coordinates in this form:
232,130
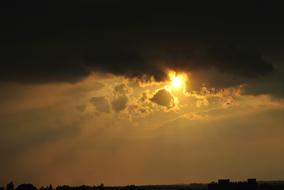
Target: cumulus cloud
122,89
119,103
141,106
163,98
101,104
120,97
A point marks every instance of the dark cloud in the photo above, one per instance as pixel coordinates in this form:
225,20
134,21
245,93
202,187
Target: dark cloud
272,84
50,43
163,98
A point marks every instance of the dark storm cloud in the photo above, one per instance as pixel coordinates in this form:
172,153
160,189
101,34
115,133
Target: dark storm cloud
272,84
47,42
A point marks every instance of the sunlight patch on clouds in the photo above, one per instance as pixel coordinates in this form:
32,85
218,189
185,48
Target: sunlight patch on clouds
129,99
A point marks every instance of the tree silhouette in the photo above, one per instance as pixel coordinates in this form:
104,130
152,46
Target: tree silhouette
10,186
26,187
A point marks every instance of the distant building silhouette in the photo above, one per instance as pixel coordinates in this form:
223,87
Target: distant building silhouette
225,184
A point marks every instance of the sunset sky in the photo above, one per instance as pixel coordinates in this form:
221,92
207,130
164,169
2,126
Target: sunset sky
133,92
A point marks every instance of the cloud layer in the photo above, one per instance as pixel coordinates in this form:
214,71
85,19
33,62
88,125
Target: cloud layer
121,39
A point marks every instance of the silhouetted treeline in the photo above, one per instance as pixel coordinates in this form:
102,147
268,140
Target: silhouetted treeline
224,184
10,186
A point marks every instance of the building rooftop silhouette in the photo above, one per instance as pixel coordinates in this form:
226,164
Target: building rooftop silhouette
225,184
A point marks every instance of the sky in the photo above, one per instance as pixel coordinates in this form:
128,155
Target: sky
137,92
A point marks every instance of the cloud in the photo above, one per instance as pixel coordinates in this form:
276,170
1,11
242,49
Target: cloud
272,84
101,104
120,97
141,106
119,103
122,89
163,98
61,46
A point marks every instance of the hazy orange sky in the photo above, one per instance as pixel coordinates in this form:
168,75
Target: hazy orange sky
108,129
120,92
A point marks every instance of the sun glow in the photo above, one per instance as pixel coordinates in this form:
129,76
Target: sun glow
177,81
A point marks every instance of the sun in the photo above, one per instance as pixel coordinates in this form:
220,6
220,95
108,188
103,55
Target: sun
177,81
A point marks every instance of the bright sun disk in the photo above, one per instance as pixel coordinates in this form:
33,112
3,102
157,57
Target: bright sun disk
177,80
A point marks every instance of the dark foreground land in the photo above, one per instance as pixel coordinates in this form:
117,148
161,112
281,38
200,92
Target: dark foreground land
222,184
